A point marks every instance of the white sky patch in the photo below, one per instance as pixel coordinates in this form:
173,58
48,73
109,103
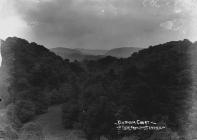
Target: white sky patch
193,30
186,6
183,17
167,25
174,25
11,24
188,9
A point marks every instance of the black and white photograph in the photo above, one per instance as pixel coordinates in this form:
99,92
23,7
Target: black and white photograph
98,69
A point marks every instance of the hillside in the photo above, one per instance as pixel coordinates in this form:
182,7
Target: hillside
77,54
64,52
91,51
123,52
51,123
88,54
151,84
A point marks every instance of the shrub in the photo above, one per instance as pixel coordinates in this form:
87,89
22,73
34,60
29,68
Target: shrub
25,110
70,113
12,118
10,133
31,131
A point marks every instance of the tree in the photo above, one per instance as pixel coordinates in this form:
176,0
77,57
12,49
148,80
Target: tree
31,131
25,110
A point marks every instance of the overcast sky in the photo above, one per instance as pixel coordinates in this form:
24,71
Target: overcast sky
99,24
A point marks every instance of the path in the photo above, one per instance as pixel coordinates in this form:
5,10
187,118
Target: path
53,129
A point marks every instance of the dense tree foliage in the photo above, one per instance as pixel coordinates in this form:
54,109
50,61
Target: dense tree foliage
35,74
152,84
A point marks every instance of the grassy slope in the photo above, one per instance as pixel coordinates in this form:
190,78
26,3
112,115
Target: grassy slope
52,125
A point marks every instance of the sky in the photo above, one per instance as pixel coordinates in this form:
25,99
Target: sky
99,24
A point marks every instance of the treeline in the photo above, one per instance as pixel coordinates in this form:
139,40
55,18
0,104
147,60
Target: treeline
35,74
152,84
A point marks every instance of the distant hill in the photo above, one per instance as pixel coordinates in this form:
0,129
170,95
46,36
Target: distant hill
77,54
65,52
152,84
92,52
123,52
88,54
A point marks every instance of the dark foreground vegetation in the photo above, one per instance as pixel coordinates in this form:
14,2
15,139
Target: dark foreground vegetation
152,84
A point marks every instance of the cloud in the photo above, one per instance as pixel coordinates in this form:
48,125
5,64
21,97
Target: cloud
153,3
100,24
173,25
86,23
11,24
167,25
178,15
186,7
